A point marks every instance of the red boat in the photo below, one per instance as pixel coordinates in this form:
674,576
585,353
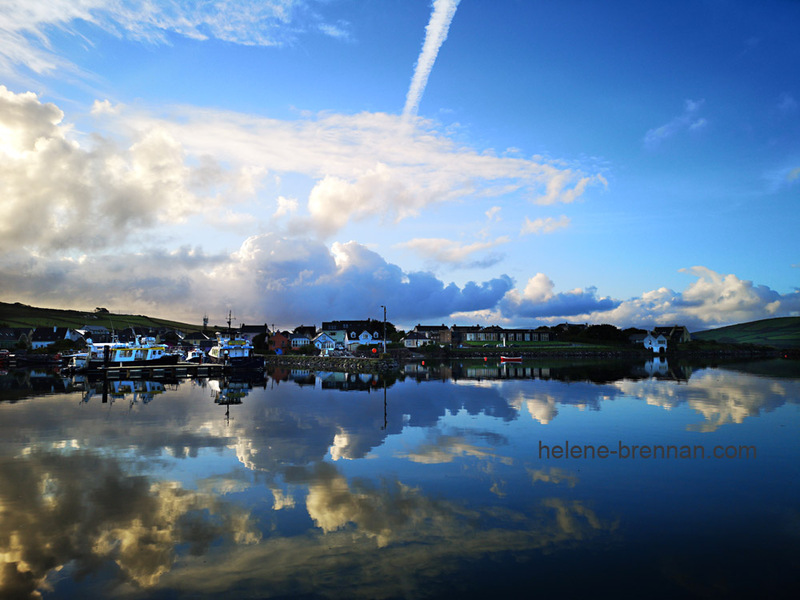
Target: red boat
511,359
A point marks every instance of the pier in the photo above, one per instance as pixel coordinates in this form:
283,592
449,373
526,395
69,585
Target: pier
178,371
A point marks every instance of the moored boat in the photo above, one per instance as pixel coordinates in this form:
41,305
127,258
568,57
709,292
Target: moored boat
144,352
195,356
510,359
234,352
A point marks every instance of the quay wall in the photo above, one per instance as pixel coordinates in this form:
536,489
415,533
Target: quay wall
381,365
330,363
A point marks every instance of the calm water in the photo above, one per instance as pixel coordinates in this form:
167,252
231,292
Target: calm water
461,481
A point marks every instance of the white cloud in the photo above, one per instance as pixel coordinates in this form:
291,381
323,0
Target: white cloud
256,280
688,120
25,26
544,225
364,165
492,213
538,300
93,197
713,300
100,107
449,251
285,206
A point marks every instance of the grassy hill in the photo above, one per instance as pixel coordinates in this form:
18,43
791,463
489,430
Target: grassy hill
21,315
783,332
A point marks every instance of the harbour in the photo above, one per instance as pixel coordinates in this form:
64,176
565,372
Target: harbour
433,479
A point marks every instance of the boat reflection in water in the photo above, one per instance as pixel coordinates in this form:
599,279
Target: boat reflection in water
442,482
133,391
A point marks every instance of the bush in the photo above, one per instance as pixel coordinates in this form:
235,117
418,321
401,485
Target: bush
260,342
307,350
60,346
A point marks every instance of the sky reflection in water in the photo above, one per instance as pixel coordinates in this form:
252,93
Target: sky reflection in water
431,485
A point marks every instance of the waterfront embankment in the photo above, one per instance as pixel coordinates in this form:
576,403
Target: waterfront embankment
332,363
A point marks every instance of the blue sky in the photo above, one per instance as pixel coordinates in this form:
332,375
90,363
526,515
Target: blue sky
513,163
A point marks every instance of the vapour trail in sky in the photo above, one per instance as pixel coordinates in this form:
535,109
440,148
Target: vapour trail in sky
435,35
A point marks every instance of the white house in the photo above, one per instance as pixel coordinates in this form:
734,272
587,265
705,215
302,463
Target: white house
365,338
325,343
656,343
415,339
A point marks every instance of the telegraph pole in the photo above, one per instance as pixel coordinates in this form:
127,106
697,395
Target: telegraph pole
384,328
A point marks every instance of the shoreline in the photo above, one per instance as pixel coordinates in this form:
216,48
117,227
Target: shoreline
397,358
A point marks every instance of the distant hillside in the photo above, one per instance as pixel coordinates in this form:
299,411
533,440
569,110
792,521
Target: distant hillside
783,332
21,315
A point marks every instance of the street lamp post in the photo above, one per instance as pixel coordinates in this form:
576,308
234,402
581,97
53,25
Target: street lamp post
384,328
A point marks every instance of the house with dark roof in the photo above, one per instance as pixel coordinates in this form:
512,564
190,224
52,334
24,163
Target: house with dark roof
298,340
656,342
677,334
525,335
279,342
97,333
431,332
310,331
357,332
43,337
249,332
15,337
415,339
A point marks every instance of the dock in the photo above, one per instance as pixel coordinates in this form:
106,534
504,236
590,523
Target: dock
178,371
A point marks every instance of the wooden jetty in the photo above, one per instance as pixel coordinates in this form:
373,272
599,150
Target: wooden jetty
177,371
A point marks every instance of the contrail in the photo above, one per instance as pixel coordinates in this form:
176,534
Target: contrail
435,35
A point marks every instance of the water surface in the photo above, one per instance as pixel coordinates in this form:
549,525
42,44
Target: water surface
442,481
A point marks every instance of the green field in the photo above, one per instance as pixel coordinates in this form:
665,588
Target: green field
21,315
782,332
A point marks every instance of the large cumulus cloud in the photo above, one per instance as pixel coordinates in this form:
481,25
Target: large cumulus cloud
58,195
713,299
292,277
538,299
285,280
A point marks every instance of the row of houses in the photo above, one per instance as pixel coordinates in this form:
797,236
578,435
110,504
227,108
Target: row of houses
458,335
337,336
30,338
656,340
333,336
347,335
12,338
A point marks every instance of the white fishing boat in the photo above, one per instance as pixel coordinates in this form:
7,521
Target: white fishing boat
143,352
195,356
234,351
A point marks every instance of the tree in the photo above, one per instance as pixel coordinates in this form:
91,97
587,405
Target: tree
260,341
